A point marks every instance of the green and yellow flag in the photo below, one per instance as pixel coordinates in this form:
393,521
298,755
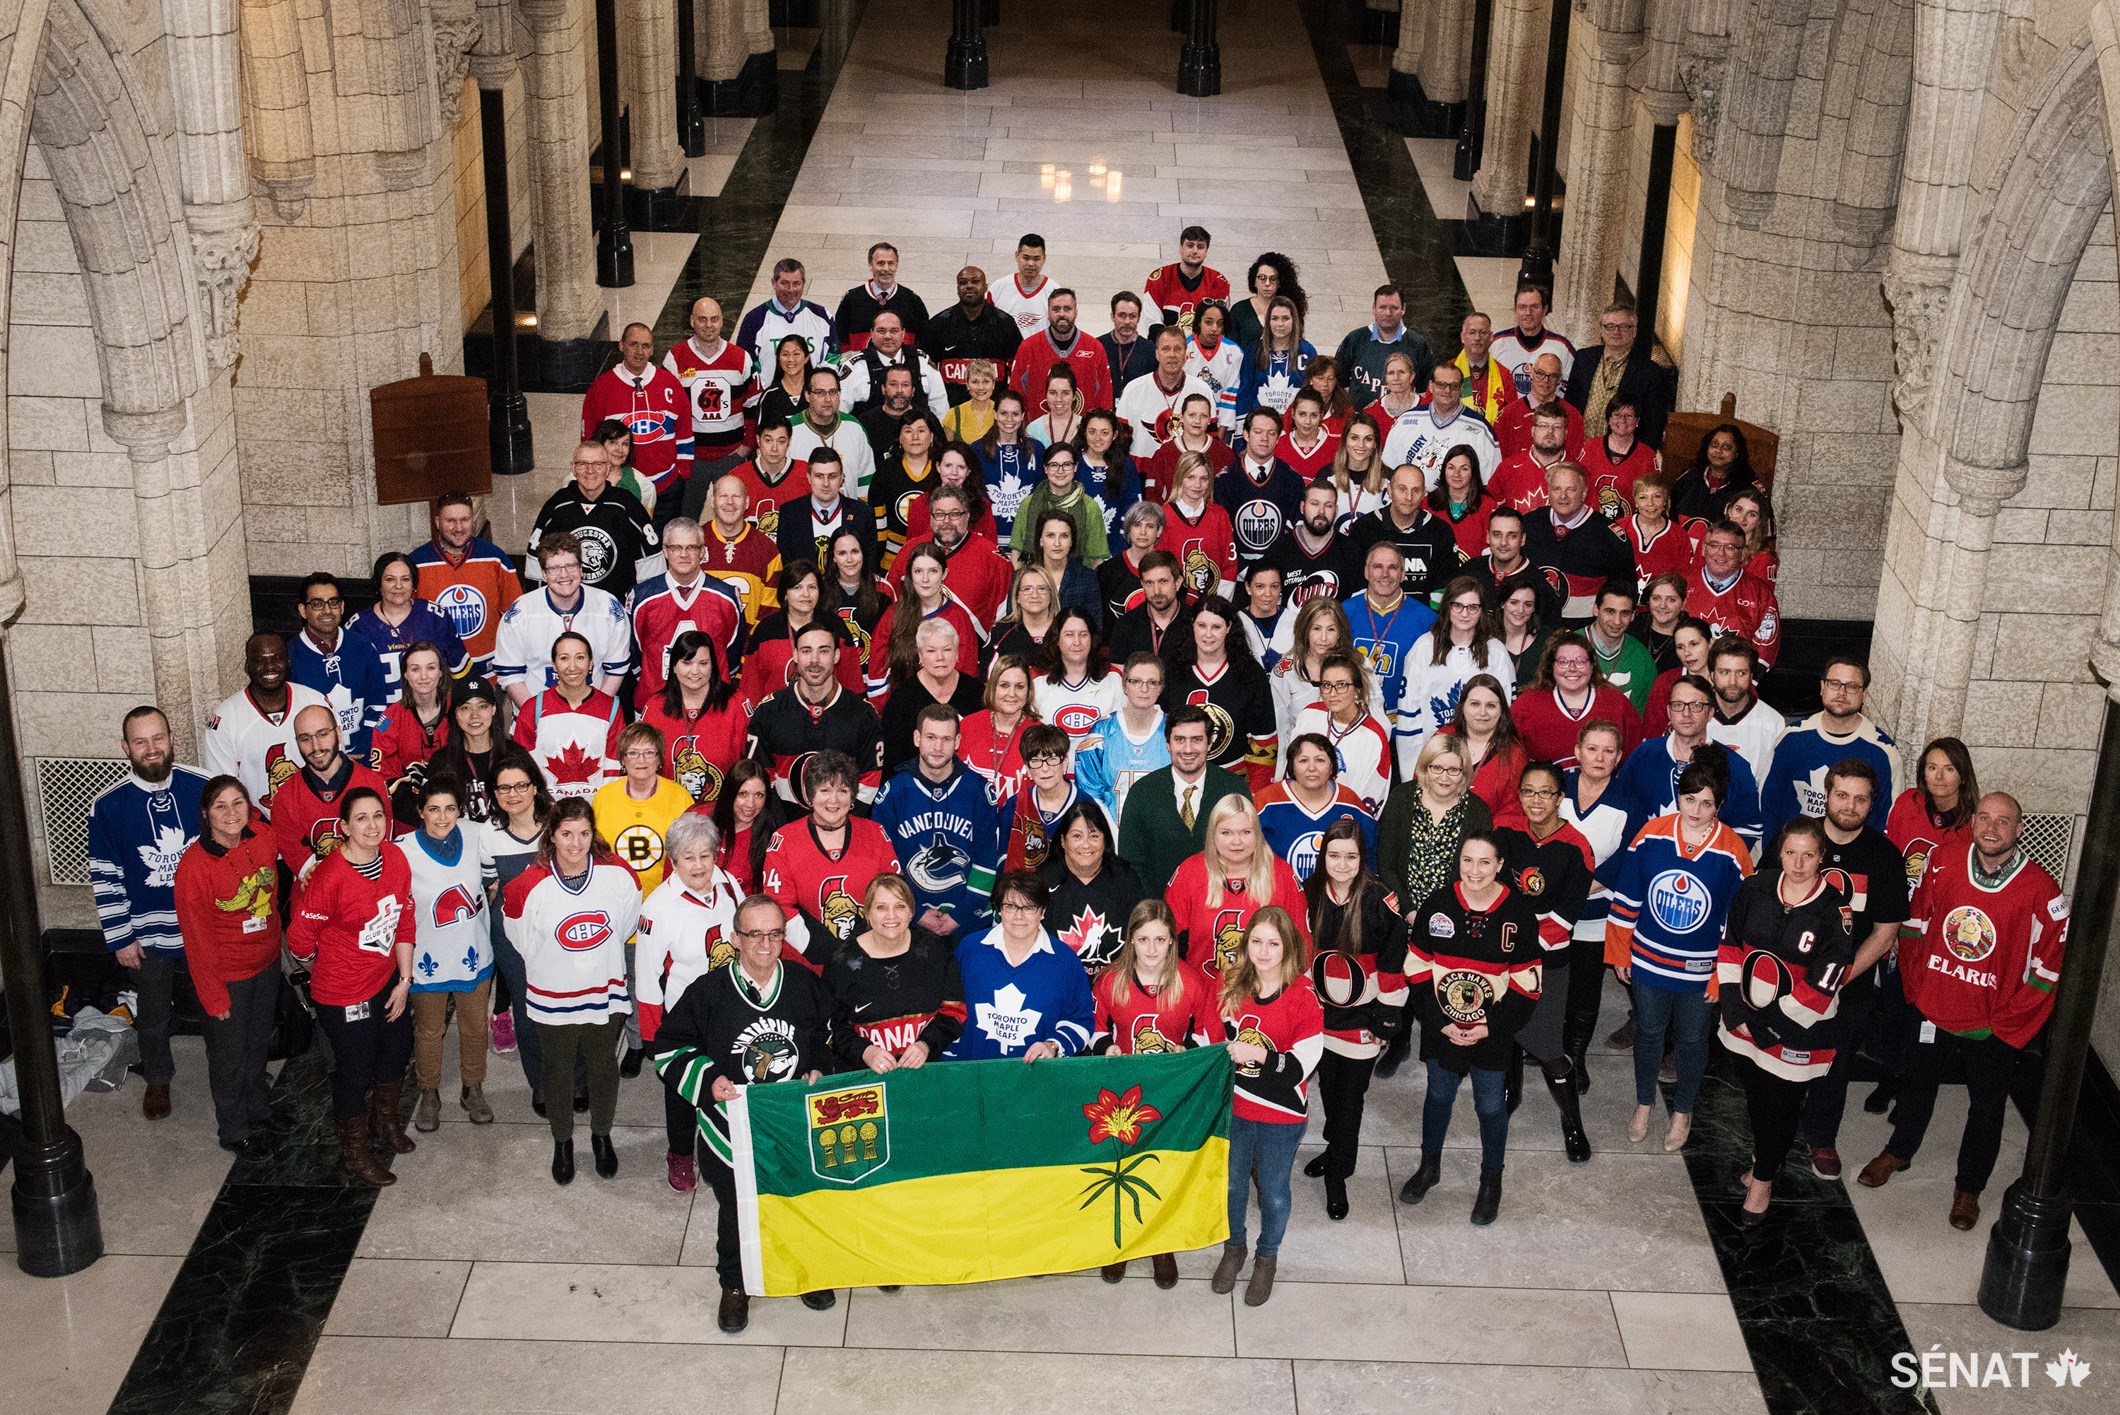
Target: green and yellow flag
971,1171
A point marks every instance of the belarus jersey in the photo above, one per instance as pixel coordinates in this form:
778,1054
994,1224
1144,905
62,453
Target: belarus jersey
1978,959
1169,298
662,611
1110,760
1025,307
1744,607
137,833
574,745
947,838
452,941
715,387
350,677
1183,1013
256,747
390,641
654,406
1297,835
1420,439
764,495
822,888
472,589
523,653
1363,748
1669,903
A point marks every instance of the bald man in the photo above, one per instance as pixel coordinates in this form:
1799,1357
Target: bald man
305,809
716,374
970,329
651,404
1515,430
744,558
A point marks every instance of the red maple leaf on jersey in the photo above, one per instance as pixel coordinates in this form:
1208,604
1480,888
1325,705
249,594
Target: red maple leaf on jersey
1084,930
573,767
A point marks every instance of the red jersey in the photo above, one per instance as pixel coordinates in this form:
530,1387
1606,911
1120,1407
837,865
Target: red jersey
920,525
1171,301
1159,474
1149,1023
1085,358
1206,547
305,821
997,759
1308,464
1747,608
1212,935
1496,781
472,589
974,572
1764,565
699,749
1612,480
662,611
227,906
824,889
403,743
1513,431
352,925
1911,828
769,666
1674,550
1549,729
764,496
656,410
1520,481
576,746
1291,1026
1977,960
749,565
969,640
715,390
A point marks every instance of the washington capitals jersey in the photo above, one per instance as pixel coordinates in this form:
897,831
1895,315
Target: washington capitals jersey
452,943
947,838
1297,835
472,591
390,641
136,835
351,680
822,888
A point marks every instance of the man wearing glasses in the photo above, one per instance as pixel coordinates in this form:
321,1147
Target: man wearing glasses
1614,372
1797,782
971,567
1423,436
1650,776
346,671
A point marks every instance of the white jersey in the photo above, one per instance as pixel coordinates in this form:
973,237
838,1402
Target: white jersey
854,389
1026,307
522,648
1363,748
1752,736
255,747
452,945
1075,707
1221,371
1428,699
715,387
849,441
684,934
573,942
1421,439
1516,354
1153,413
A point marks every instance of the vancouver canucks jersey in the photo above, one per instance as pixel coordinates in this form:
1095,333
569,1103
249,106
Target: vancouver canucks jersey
946,836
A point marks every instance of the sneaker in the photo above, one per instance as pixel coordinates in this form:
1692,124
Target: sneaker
682,1172
1825,1162
504,1033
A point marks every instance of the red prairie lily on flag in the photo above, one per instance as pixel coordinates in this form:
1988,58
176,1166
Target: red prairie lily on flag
1119,1118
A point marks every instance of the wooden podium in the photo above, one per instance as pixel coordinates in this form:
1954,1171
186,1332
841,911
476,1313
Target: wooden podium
433,434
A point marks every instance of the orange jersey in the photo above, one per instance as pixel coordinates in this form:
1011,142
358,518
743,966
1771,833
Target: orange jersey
472,591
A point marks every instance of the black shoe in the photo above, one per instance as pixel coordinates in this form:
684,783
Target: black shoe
1424,1179
278,1125
581,1102
1335,1197
1573,1138
820,1301
893,1287
1880,1100
606,1156
735,1313
1400,1048
563,1162
630,1067
537,1103
1488,1203
235,1147
1579,1066
1315,1169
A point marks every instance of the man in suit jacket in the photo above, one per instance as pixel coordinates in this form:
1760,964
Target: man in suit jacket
807,525
1640,381
1153,835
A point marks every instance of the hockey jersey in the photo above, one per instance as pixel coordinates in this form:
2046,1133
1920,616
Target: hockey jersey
1673,549
1150,410
1212,934
729,1028
1297,835
1291,1026
657,409
662,610
452,942
1473,967
1029,825
1520,480
1512,428
1012,472
1550,727
1243,733
715,387
1429,545
636,828
997,757
306,824
846,437
1084,358
766,494
1274,382
1669,904
1796,782
864,372
766,324
1754,734
1076,707
1919,835
1025,307
1429,691
472,589
522,655
1982,960
254,746
785,729
1167,297
1745,607
351,926
573,942
1110,760
947,837
1586,556
1612,478
389,641
1649,779
1205,545
977,575
1516,353
1010,1008
1222,370
1363,748
1779,973
574,744
1259,503
1363,993
1089,916
894,1002
679,939
970,638
1181,1014
1421,439
769,663
137,833
699,749
1554,876
823,888
614,529
349,677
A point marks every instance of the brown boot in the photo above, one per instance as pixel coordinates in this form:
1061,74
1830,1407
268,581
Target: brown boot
1875,1174
155,1104
1115,1272
1965,1210
354,1156
1260,1287
385,1120
1165,1266
1226,1271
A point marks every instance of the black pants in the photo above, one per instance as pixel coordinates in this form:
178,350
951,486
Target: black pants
1895,1034
1827,1100
1343,1084
728,1256
154,985
1773,1104
1586,988
235,1055
681,1120
364,1051
596,1044
1989,1064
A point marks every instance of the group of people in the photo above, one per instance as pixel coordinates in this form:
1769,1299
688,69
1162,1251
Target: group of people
1233,695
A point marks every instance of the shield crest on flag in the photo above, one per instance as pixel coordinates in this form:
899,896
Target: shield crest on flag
850,1133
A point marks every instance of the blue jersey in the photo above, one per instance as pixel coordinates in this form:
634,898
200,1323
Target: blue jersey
1114,489
1649,781
390,641
1012,472
1010,1009
1669,904
351,679
136,835
1385,641
1796,782
1109,762
946,837
1298,837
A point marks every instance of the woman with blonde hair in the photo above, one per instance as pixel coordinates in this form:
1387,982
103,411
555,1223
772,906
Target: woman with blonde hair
1196,530
1321,629
1215,893
1029,622
1276,1035
1358,472
990,741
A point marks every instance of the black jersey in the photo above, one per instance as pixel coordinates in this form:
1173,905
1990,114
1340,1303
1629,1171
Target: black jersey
1242,733
1555,875
614,531
726,1025
1363,992
1089,918
1430,548
1472,967
785,730
1779,972
1334,570
894,1002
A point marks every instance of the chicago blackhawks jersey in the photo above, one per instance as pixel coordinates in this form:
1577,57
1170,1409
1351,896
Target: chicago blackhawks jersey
786,729
824,887
715,386
254,746
1473,967
1183,1013
452,940
523,653
574,744
472,589
1297,834
947,837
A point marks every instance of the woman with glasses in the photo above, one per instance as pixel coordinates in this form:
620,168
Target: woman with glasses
1467,641
1027,996
1361,743
1424,822
1567,692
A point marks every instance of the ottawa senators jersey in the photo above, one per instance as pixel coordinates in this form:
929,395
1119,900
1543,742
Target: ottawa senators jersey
785,730
1242,734
766,494
1205,545
1179,1015
822,888
699,749
1212,933
749,565
1172,299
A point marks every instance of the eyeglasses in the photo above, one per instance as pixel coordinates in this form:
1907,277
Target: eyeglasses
776,935
1689,707
1020,906
333,603
1439,770
1535,794
1840,685
514,786
1336,685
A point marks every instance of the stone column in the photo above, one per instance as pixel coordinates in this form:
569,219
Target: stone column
556,93
277,129
1761,79
1600,135
1882,75
1513,91
649,55
204,60
1446,52
1406,59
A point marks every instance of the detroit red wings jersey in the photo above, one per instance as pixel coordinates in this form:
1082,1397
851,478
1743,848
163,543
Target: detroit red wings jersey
765,495
822,889
576,747
1149,1023
749,565
699,750
715,389
1746,608
1213,933
662,611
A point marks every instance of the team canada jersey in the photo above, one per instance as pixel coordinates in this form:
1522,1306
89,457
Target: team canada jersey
1076,707
715,389
698,750
1153,1022
1520,481
575,745
523,653
472,589
1291,1026
1512,428
1025,307
452,940
655,408
1363,748
1212,934
894,1002
1672,550
947,836
1205,545
573,942
1981,960
1915,832
1745,607
662,611
822,889
1298,836
256,747
785,730
749,566
1168,298
765,495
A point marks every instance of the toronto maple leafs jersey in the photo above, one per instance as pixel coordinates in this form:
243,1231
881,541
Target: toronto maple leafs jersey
452,942
137,833
1010,1008
947,838
1429,693
1796,781
522,650
351,679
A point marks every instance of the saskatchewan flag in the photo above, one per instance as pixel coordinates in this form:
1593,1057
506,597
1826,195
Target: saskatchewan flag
970,1171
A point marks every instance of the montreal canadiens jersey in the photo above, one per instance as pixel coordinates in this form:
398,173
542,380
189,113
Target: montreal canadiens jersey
523,653
1297,835
471,591
452,942
255,747
947,837
1074,708
714,389
573,942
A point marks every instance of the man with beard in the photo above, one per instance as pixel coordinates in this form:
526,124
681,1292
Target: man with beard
1424,541
970,329
1521,479
345,669
1505,566
137,831
889,347
1129,355
1159,625
1312,560
251,736
306,826
892,410
1062,342
972,569
815,714
469,580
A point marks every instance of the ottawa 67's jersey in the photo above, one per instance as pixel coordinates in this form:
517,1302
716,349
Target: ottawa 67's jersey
713,387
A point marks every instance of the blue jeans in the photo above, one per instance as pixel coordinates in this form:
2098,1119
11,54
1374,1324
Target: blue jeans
1271,1148
1690,1017
1490,1102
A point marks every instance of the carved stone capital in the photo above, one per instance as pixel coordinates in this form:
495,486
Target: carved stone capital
453,39
146,436
1918,300
1703,77
223,258
1981,490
